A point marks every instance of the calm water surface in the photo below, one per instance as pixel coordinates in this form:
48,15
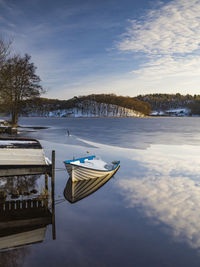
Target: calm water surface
148,214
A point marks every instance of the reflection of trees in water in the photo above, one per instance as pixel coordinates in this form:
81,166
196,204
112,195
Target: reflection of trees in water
23,221
13,258
23,183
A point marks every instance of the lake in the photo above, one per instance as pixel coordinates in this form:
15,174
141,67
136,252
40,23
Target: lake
148,214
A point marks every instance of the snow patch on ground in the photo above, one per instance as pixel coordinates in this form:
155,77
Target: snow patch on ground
180,112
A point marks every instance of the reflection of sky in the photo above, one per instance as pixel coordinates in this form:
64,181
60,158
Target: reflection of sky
168,189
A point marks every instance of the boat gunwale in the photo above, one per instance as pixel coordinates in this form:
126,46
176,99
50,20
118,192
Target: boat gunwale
84,167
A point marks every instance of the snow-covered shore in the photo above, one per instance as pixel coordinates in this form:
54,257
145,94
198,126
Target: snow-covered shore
175,112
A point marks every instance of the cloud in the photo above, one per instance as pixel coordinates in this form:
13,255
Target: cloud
167,39
174,28
166,55
170,67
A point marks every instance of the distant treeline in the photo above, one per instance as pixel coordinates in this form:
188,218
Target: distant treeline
122,101
142,103
169,101
195,107
43,105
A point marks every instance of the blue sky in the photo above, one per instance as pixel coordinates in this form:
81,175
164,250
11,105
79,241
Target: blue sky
125,47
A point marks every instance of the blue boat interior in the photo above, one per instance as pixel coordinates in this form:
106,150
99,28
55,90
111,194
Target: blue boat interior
82,160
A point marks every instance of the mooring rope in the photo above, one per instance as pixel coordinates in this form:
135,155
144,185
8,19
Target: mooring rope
60,169
58,201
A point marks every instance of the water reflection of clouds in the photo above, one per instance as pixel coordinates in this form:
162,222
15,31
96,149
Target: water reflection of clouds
169,190
174,161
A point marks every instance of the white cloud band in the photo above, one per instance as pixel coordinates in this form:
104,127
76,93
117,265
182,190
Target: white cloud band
174,28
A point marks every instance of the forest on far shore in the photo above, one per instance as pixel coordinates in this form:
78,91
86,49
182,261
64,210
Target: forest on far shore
45,105
142,103
162,102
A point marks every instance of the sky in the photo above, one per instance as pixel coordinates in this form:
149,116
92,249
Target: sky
126,47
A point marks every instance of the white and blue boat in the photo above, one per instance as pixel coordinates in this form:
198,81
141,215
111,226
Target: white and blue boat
90,167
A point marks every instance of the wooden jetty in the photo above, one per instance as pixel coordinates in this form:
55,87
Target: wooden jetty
21,152
9,170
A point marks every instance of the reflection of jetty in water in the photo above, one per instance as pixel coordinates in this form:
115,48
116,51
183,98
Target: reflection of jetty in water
27,207
77,190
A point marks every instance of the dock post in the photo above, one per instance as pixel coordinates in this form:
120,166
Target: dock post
53,162
53,195
46,182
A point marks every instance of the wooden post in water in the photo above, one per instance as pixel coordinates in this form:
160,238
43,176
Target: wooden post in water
46,182
53,195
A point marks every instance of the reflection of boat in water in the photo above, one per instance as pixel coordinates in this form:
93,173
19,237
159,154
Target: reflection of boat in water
21,152
77,190
90,168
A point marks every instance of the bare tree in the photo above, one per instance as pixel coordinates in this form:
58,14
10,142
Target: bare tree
18,82
4,50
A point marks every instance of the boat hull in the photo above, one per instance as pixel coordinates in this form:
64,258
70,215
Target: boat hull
79,173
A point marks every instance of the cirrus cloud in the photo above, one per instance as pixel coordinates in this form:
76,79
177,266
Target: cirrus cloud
167,40
174,28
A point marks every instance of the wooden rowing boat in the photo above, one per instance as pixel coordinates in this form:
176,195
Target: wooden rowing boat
90,168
